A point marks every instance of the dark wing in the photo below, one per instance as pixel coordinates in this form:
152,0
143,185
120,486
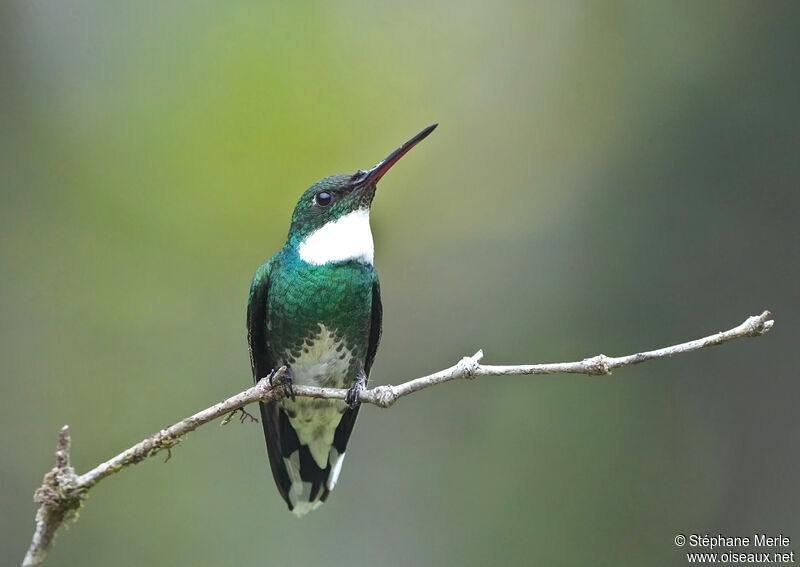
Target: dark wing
262,363
376,322
260,358
345,427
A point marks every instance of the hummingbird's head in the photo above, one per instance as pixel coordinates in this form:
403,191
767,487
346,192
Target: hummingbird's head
330,222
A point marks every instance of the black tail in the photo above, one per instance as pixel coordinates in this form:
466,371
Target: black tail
300,480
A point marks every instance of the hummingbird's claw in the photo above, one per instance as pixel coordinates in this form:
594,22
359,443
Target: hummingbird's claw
285,382
353,396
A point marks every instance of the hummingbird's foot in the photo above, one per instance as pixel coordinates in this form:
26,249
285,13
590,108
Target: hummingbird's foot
285,381
353,396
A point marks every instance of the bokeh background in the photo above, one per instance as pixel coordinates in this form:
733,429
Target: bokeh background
606,177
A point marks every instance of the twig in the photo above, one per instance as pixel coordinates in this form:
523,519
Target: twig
469,367
62,492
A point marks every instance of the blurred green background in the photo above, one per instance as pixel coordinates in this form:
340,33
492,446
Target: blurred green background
606,177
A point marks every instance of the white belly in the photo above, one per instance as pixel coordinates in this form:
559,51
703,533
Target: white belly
315,420
321,364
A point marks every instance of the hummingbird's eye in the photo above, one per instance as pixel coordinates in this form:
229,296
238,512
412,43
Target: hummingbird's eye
323,198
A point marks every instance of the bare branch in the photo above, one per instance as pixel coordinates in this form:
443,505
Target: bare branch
171,436
62,492
470,367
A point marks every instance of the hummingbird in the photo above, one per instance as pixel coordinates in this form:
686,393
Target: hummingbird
315,308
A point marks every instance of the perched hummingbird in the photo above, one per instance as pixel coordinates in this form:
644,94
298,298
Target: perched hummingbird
315,307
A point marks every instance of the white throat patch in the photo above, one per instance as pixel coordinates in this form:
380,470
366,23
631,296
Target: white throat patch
347,238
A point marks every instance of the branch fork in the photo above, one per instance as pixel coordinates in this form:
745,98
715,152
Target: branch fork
59,498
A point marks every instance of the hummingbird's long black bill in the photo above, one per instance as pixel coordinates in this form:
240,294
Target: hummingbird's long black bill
373,175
